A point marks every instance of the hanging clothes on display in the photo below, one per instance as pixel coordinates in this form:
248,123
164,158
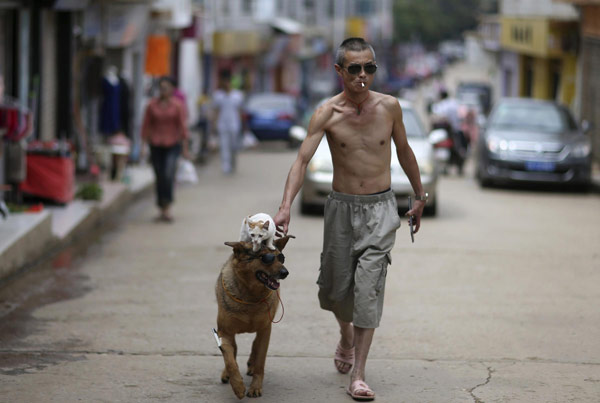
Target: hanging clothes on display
15,121
158,55
110,108
16,124
125,107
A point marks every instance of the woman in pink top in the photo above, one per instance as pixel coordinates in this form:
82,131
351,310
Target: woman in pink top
165,130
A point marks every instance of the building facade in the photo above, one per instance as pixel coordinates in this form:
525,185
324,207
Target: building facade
539,45
587,102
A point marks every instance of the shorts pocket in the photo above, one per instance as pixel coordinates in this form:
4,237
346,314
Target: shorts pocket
383,274
320,278
399,220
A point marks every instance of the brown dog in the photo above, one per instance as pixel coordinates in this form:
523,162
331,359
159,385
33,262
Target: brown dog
247,299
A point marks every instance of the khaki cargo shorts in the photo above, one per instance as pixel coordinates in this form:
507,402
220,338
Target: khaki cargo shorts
360,231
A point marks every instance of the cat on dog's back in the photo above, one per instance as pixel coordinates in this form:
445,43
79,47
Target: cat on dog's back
257,229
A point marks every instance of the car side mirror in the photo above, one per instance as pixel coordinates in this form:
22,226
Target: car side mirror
586,126
438,135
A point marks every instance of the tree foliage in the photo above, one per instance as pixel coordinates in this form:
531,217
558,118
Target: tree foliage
432,21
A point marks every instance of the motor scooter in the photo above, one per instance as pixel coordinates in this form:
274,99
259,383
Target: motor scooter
449,149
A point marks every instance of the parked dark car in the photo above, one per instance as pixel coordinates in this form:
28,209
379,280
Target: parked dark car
270,116
527,140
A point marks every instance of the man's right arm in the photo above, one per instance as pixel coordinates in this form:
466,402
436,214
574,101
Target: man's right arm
295,178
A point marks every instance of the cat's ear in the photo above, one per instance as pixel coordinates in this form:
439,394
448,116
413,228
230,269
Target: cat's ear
281,242
239,248
266,225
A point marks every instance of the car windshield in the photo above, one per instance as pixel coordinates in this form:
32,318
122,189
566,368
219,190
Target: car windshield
538,117
262,102
412,124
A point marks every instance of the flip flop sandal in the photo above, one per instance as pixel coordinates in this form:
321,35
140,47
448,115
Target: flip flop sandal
360,386
344,356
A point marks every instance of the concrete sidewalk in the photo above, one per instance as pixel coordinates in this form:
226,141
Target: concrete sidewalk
26,237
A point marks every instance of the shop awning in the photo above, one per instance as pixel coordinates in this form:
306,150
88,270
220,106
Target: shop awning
286,25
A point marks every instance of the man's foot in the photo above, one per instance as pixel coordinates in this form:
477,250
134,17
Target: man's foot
343,359
359,390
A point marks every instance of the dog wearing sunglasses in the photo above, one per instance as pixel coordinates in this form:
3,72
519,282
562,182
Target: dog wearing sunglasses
247,298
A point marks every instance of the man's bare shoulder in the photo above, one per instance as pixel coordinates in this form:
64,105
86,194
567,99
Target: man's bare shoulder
326,110
389,102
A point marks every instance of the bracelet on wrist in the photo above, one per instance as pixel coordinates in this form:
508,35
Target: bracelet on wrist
422,197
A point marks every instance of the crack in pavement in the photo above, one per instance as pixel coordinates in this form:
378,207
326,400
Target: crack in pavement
488,379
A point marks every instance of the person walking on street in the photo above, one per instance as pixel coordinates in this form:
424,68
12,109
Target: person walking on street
361,214
228,117
164,128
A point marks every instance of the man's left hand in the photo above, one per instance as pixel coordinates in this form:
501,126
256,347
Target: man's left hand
416,212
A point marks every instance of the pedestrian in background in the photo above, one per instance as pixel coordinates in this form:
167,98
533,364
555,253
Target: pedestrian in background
228,120
165,130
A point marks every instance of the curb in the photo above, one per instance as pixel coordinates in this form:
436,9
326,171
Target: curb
41,240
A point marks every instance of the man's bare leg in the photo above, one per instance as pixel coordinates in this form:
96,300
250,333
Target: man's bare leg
346,342
362,343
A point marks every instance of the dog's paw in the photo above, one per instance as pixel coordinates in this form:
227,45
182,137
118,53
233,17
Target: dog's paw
224,376
238,388
254,392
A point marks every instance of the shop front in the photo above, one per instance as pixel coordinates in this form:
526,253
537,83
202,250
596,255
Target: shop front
547,60
590,90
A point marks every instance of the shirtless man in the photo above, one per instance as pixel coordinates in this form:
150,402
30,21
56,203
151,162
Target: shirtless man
361,215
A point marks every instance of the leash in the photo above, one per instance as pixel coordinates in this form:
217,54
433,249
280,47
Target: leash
258,302
269,309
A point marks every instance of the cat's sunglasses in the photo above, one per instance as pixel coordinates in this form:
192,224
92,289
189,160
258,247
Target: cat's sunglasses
355,69
269,258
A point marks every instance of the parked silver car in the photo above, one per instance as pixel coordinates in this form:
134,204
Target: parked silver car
319,175
529,140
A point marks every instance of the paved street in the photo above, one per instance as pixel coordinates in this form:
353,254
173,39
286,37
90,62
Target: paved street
496,301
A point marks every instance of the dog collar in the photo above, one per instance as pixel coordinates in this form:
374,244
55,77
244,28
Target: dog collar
239,300
253,303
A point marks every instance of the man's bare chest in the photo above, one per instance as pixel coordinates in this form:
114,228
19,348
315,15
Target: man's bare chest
368,131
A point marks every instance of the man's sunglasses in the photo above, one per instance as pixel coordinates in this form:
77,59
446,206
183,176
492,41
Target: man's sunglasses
354,69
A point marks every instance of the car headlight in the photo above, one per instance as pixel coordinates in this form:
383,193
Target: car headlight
581,149
319,165
496,145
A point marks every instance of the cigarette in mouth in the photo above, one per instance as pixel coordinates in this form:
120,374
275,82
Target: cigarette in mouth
362,84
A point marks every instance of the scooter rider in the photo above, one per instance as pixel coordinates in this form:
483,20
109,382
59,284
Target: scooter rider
447,110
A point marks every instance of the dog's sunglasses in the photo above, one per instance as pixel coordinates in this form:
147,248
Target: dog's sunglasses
354,69
269,258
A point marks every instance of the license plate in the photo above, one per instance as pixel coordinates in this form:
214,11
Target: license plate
540,166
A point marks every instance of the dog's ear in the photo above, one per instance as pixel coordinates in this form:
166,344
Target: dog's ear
239,247
281,242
